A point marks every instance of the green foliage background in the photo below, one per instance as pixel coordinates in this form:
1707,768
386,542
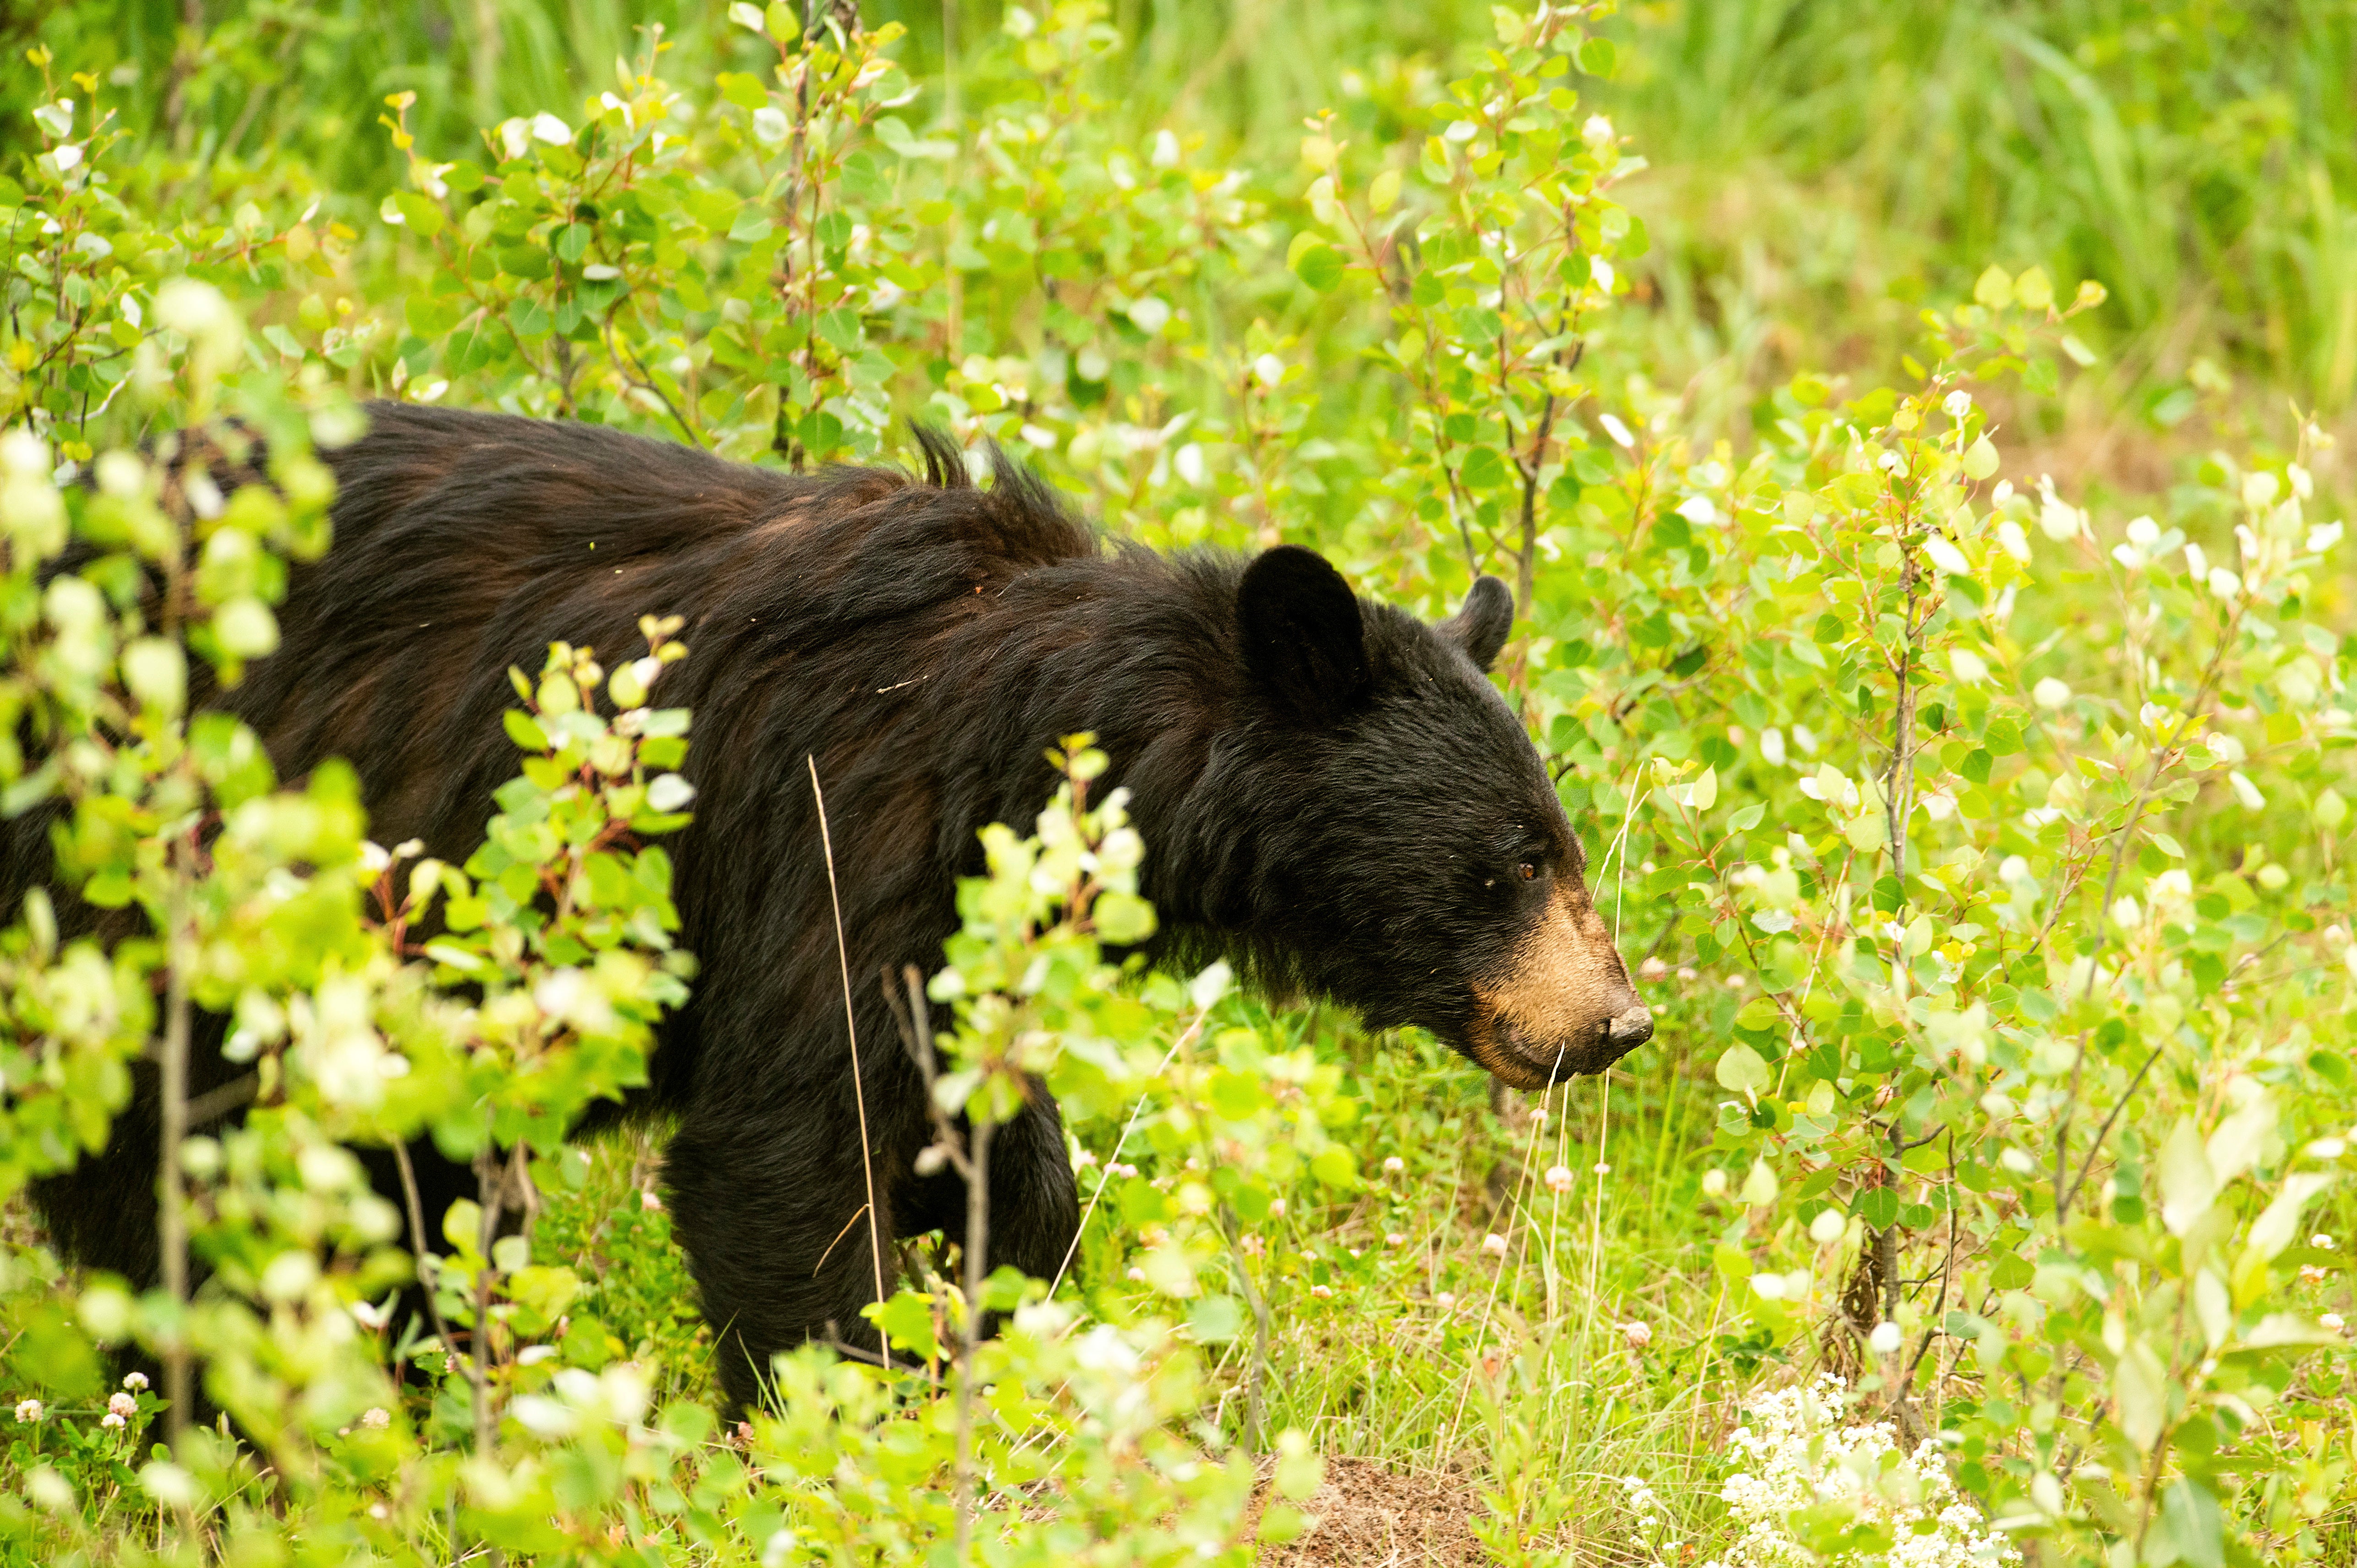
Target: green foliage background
1945,658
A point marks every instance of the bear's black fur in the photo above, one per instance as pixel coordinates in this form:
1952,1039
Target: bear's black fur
1331,792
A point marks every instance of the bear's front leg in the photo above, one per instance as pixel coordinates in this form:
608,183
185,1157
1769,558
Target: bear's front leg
772,1211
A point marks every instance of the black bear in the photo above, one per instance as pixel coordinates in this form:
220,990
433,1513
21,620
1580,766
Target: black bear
1331,794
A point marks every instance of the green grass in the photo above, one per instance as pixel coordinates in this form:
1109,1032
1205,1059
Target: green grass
1818,167
1822,167
1819,171
1527,1384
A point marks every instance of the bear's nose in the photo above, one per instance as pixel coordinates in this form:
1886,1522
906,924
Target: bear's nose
1631,1029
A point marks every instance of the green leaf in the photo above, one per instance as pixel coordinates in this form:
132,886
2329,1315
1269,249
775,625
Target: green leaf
431,315
1980,460
1598,56
1318,264
1878,1206
421,217
1299,1470
523,731
907,1320
1334,1167
2274,1229
2187,1182
1236,1096
2140,1382
1123,918
1749,817
462,1227
1743,1070
745,91
1215,1319
107,890
2190,1529
1484,470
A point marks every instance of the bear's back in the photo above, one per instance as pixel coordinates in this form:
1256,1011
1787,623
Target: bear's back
466,543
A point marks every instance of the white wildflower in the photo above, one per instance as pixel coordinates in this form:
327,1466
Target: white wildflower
1798,1457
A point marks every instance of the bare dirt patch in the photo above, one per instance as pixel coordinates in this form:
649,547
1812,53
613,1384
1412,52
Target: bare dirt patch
1367,1516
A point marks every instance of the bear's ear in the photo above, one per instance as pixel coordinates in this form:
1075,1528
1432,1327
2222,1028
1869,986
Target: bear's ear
1303,640
1480,626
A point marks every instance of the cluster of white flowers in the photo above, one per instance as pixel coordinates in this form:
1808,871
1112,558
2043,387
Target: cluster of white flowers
1643,1503
1798,1454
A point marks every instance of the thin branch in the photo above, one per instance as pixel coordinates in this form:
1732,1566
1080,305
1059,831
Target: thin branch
427,1275
2062,1210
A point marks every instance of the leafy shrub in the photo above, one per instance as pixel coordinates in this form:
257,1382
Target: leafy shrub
1982,853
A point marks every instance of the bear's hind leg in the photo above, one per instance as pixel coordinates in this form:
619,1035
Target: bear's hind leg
778,1235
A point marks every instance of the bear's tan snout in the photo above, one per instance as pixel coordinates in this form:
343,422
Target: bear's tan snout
1562,1004
1631,1029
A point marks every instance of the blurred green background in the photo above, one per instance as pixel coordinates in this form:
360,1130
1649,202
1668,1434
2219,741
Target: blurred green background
1820,166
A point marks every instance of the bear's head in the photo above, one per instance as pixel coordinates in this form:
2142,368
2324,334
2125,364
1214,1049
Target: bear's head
1409,855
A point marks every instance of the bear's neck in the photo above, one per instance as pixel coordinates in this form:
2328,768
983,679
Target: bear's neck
1138,651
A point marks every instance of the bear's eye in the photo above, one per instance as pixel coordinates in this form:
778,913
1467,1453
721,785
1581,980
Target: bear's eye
1529,871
